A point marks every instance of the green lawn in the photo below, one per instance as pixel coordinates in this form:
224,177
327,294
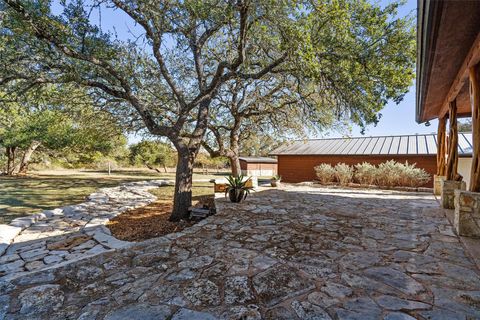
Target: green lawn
20,196
199,189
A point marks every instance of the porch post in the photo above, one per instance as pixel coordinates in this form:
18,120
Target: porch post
474,73
452,160
442,145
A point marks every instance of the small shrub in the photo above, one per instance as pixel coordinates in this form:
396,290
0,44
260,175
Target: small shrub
343,173
388,174
393,174
413,176
365,173
325,173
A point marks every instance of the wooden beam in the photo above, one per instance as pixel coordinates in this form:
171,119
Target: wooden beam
471,59
475,102
452,160
441,146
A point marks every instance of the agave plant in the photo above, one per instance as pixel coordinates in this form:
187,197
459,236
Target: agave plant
237,188
275,181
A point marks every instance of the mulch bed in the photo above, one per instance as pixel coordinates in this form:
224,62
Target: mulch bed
150,221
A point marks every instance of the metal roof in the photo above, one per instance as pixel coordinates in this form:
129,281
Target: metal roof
419,144
258,159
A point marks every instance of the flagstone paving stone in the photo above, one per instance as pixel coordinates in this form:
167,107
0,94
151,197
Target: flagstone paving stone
301,252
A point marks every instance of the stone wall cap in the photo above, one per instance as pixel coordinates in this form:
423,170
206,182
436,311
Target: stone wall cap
471,193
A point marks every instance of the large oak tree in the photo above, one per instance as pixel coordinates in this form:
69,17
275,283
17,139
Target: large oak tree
168,76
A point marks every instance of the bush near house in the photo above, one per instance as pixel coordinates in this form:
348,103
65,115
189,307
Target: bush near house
344,173
393,174
387,174
325,173
365,173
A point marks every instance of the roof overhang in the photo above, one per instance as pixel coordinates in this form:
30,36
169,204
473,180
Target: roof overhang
258,159
448,43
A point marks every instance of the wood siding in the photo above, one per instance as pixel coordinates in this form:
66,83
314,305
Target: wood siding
295,168
258,166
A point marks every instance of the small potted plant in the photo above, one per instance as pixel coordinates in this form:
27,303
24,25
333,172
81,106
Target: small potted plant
237,189
275,181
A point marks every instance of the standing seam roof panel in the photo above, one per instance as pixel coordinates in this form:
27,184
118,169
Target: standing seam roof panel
395,145
422,145
392,145
354,146
469,138
341,145
464,144
360,145
378,145
431,144
370,146
386,145
327,146
346,147
403,146
304,147
332,144
363,147
412,145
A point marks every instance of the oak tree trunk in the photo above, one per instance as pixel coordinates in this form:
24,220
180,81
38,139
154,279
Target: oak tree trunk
182,198
27,156
235,165
10,160
187,152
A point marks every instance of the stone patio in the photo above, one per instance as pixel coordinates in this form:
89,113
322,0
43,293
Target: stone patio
299,253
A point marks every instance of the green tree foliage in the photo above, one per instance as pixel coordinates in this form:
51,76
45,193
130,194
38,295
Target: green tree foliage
152,154
465,125
350,55
54,123
260,144
206,162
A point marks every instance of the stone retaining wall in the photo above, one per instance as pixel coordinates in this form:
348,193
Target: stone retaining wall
467,213
448,192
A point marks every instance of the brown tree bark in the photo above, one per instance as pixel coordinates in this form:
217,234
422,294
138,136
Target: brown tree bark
452,161
10,160
475,101
187,150
442,146
27,156
182,199
235,164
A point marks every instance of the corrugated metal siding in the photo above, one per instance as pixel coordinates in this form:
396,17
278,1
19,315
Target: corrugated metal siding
422,144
